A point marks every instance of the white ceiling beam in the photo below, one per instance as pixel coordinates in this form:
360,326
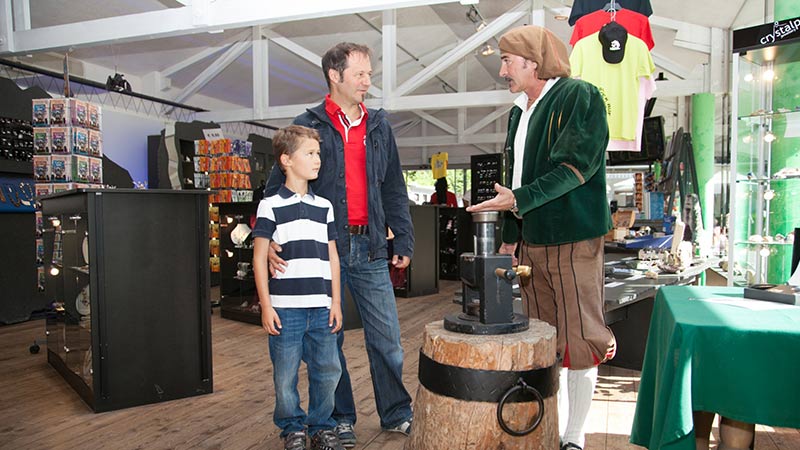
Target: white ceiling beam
6,26
670,65
408,103
22,15
389,50
260,72
452,100
201,16
212,70
205,53
487,120
678,88
444,126
688,35
462,87
307,55
455,55
440,141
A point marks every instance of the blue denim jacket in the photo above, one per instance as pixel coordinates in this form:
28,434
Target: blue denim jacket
387,197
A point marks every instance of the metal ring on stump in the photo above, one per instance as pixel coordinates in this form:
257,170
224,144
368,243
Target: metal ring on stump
470,396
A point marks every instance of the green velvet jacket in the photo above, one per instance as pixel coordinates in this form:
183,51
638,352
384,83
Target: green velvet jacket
563,194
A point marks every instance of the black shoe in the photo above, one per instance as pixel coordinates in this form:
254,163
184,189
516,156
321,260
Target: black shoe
325,440
571,446
295,441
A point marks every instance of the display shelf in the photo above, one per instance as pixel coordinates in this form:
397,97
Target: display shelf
764,165
132,299
764,244
760,116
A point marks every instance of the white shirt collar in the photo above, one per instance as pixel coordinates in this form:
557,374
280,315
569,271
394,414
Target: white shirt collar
522,99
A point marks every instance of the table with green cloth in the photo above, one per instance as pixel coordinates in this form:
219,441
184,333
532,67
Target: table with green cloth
705,355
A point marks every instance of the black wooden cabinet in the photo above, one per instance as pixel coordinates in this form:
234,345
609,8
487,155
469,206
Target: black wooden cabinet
128,272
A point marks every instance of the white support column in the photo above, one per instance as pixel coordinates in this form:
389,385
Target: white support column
717,62
213,70
389,64
424,149
537,13
462,87
6,27
22,15
477,39
260,72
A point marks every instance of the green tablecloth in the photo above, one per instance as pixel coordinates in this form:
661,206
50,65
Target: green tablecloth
705,356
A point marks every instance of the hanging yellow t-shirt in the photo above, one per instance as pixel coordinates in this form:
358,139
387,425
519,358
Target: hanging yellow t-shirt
439,165
618,83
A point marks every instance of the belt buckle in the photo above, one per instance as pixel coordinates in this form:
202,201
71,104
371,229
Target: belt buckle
358,229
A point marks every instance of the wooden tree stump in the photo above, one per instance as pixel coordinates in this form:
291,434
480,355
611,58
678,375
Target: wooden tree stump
442,422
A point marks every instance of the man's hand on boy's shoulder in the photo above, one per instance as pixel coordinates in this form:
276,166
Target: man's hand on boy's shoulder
270,320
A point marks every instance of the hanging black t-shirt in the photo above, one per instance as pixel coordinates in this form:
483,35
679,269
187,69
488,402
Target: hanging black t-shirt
582,7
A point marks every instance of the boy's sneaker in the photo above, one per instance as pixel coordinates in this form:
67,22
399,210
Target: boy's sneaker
570,446
295,441
346,434
325,440
404,427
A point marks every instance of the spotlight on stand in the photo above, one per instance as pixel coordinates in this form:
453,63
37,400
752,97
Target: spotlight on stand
118,83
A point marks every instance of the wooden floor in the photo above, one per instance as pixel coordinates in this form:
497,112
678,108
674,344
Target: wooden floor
38,410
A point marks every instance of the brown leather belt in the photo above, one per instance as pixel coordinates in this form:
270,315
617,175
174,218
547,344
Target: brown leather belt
358,229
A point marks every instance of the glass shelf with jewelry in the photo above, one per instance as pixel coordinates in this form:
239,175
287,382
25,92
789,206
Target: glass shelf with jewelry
765,160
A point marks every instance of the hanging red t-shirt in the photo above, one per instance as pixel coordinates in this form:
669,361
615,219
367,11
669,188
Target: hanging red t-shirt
354,136
635,23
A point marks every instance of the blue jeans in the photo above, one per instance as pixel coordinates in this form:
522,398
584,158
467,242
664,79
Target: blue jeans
305,336
374,297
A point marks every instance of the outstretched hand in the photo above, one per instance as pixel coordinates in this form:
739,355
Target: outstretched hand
503,201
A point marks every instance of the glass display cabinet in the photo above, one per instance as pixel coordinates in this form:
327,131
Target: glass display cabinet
765,154
128,276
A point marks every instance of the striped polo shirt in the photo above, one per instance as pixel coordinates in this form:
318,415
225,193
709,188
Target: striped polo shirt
302,226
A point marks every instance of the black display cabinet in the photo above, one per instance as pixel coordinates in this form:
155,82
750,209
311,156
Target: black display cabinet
128,273
237,286
455,238
421,277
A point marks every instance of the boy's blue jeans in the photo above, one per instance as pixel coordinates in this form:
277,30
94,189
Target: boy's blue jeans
305,336
373,295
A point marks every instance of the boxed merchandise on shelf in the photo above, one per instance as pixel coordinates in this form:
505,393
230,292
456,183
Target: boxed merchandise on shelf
95,116
41,140
59,111
41,168
61,168
43,189
60,140
80,140
95,143
41,112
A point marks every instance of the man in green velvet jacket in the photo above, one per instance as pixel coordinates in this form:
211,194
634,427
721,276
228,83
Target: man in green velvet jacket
557,210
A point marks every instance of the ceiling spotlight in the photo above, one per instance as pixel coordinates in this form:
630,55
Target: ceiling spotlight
764,252
118,83
748,77
769,194
768,75
769,137
54,271
487,50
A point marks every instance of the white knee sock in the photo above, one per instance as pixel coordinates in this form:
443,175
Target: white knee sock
580,387
563,402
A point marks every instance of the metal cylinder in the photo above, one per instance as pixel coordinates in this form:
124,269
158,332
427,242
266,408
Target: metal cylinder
483,230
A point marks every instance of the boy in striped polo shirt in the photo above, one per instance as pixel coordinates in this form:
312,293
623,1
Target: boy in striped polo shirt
301,306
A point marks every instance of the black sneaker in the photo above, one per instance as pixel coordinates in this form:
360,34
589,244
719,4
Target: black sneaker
571,446
295,441
346,434
325,440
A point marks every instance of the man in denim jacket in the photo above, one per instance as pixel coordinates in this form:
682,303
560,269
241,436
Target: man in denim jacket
362,178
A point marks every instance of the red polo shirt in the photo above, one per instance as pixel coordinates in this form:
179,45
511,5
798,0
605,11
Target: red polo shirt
354,135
